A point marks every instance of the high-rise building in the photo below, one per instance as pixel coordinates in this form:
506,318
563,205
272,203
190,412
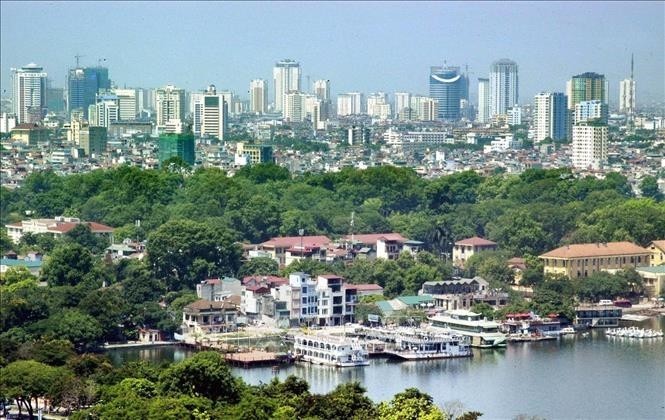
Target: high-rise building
550,116
92,139
424,108
446,86
176,145
258,96
322,92
83,83
196,109
514,115
214,114
29,93
106,111
127,109
349,103
322,89
378,106
586,111
586,87
402,101
589,146
483,101
286,78
170,105
55,99
295,106
504,86
627,96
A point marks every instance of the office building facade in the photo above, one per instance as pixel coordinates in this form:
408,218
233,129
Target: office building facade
286,78
446,85
169,105
550,116
504,86
589,146
587,86
29,93
258,96
483,115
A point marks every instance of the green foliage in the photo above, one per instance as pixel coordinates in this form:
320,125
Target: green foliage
649,188
67,265
16,275
264,172
411,404
81,329
185,252
26,380
82,235
262,266
203,375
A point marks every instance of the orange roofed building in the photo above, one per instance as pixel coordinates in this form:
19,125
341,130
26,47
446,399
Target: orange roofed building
582,260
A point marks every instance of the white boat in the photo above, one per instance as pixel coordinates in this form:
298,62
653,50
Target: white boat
330,350
481,332
419,345
567,330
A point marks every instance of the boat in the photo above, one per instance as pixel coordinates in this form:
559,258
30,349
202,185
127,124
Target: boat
330,350
421,345
481,332
633,332
567,330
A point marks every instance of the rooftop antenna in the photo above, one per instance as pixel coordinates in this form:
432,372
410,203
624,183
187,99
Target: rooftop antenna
632,67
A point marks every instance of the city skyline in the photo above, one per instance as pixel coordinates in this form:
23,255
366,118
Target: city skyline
365,47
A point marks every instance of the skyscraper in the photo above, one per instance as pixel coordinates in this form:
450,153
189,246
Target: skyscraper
402,102
214,114
586,111
550,116
127,108
106,111
286,77
377,105
504,86
483,100
322,92
627,92
83,83
258,96
446,85
589,146
586,87
170,105
29,93
295,106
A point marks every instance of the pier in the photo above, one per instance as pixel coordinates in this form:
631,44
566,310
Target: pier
255,358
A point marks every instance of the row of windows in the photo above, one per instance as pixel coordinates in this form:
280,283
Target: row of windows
594,261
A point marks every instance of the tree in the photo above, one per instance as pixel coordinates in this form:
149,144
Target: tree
649,188
262,266
67,265
410,405
81,329
175,246
203,375
27,380
82,235
16,275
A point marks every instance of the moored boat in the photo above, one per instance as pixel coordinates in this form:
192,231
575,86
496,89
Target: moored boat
481,332
419,345
330,350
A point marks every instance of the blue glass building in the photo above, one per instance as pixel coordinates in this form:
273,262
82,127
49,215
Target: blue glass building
447,86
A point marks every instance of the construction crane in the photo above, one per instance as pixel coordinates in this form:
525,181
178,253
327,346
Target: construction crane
78,57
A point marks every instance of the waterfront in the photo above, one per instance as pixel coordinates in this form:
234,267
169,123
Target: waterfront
573,377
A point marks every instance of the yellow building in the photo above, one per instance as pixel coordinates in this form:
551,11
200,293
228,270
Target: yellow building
657,250
654,280
582,260
29,134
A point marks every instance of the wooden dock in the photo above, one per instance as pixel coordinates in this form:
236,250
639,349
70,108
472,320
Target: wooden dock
254,358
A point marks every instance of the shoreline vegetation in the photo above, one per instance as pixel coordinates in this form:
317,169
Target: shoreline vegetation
194,222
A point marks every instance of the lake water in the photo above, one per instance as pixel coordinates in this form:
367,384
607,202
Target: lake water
597,377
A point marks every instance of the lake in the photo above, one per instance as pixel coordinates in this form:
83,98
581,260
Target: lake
597,377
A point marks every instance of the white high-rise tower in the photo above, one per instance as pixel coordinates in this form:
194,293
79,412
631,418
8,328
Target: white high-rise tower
483,100
503,86
29,93
286,77
627,93
258,96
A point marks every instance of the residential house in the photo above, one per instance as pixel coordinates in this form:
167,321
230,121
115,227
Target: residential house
277,248
582,260
385,246
218,289
254,288
300,295
657,250
654,280
55,227
466,248
518,265
32,261
460,293
330,300
207,316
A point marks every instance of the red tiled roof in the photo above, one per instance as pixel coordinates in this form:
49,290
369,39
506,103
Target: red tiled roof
267,279
475,241
365,287
659,244
371,238
596,250
64,227
330,276
289,241
98,227
207,305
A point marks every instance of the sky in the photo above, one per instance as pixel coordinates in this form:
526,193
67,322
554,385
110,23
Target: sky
358,46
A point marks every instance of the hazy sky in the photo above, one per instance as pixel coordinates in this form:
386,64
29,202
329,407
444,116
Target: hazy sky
368,46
